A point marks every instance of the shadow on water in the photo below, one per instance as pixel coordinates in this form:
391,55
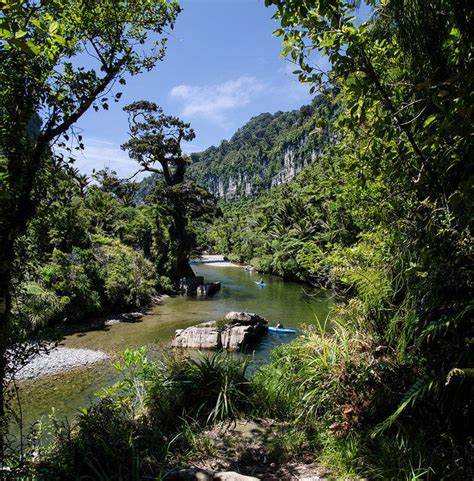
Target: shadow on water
279,300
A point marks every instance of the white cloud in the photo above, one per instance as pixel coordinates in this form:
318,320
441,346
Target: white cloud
212,102
101,153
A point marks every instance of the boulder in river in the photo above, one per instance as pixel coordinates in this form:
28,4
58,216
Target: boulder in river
202,336
236,332
188,285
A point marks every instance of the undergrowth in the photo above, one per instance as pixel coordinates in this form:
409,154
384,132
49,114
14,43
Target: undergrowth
332,389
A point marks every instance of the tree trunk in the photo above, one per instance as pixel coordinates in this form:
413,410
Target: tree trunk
15,213
6,262
179,235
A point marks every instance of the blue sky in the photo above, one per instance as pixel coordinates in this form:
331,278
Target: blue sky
222,67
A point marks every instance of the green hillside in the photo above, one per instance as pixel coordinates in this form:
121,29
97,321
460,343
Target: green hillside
267,151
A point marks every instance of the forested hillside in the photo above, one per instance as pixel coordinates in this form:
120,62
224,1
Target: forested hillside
267,151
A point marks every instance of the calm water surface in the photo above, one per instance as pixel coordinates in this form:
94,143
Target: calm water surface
278,301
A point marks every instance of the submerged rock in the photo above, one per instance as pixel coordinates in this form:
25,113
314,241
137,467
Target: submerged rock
236,332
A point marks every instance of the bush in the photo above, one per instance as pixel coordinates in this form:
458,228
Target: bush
68,275
128,279
211,387
36,305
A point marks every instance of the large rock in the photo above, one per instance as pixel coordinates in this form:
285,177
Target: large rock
244,318
202,336
208,289
238,338
188,285
241,330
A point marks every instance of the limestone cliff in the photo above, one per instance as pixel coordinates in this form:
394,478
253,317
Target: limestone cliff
269,150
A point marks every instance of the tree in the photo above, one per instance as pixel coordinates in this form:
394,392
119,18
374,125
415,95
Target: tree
58,59
156,138
122,189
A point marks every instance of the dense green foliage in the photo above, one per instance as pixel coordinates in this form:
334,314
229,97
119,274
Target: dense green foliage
155,140
267,150
386,215
293,230
91,250
383,215
58,59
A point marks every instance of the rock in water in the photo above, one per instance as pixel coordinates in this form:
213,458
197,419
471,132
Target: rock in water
208,289
188,285
244,318
202,336
241,330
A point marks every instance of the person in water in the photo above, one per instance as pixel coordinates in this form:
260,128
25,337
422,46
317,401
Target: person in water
279,325
260,281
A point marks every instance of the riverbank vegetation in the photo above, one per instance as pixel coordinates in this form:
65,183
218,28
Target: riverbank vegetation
383,217
74,247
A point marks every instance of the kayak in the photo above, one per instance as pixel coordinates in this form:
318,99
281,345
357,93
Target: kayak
281,330
261,284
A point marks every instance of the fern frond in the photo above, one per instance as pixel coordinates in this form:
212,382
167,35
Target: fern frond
416,392
373,285
463,372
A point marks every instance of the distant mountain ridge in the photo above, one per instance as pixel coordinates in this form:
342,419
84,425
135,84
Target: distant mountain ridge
267,151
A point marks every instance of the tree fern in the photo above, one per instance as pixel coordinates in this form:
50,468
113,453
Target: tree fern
37,305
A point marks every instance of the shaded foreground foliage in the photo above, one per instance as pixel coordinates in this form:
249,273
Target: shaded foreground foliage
154,419
58,59
138,426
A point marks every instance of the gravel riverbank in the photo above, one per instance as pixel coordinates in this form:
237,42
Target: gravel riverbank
57,360
61,358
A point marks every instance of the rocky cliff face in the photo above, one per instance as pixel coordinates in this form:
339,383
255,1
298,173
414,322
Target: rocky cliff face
242,184
268,151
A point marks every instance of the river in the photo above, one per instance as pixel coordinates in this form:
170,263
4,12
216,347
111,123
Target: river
277,301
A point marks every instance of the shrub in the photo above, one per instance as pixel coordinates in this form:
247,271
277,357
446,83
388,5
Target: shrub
68,276
128,278
211,387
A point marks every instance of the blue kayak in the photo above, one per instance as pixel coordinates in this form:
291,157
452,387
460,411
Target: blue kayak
261,284
281,330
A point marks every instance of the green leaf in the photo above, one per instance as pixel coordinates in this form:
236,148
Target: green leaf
430,120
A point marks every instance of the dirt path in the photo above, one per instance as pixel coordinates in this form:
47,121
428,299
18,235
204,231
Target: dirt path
260,449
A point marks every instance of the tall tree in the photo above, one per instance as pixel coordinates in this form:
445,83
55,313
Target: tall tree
156,139
59,58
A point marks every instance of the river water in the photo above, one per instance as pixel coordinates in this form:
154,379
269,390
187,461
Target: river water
281,301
